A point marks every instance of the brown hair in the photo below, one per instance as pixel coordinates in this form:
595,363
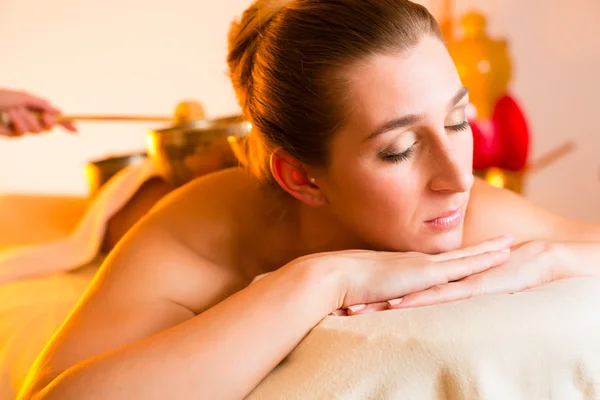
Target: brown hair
285,59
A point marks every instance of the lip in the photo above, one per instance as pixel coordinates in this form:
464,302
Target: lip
447,220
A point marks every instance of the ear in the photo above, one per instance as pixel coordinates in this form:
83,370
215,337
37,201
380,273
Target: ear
293,178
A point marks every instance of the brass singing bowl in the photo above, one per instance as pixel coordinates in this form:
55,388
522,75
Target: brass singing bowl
186,151
101,170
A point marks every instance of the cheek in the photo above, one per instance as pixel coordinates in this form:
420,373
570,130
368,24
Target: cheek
378,191
464,149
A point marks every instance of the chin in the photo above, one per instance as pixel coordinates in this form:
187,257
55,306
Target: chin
424,242
443,242
440,242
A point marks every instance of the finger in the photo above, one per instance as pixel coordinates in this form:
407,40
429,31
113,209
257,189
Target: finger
453,270
453,291
33,123
69,126
496,244
49,120
339,313
18,122
368,308
462,267
497,281
4,124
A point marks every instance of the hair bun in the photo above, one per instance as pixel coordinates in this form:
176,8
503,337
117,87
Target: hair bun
244,39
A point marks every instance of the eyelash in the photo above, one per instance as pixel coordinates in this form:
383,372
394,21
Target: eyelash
459,127
397,157
405,155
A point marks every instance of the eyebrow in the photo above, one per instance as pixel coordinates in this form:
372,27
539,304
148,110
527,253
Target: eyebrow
413,118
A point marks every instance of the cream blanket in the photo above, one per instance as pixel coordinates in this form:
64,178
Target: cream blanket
540,344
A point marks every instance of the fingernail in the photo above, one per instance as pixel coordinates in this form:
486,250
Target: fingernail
357,307
395,302
507,250
508,236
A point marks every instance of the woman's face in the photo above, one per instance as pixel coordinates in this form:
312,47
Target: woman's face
401,166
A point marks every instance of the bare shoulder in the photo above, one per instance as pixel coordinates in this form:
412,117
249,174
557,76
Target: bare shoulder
207,209
494,211
203,221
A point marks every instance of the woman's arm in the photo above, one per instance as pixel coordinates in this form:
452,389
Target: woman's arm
577,259
222,353
243,338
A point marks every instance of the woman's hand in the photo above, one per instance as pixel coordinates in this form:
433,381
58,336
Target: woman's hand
368,277
530,264
23,113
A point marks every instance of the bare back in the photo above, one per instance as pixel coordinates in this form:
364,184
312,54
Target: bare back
195,249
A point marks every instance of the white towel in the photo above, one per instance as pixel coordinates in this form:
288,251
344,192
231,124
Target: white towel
83,244
543,343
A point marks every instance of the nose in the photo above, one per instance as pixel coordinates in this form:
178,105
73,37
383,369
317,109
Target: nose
448,173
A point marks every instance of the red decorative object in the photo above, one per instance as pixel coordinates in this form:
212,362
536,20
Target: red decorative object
502,141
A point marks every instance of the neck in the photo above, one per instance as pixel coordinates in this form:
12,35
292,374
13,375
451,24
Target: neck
294,230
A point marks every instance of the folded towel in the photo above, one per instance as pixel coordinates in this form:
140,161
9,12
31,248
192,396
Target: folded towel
543,343
84,242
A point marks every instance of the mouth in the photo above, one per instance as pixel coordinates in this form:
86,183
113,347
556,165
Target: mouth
447,220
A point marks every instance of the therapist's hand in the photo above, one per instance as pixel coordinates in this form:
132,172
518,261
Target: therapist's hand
27,114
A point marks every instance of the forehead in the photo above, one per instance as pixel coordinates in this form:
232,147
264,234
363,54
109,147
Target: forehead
421,80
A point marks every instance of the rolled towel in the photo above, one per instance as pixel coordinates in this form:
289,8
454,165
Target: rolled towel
82,245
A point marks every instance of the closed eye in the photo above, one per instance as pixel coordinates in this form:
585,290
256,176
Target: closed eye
397,157
460,127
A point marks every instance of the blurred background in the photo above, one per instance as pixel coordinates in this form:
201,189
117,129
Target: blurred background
141,57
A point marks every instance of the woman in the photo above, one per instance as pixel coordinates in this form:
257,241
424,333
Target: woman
27,114
360,141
